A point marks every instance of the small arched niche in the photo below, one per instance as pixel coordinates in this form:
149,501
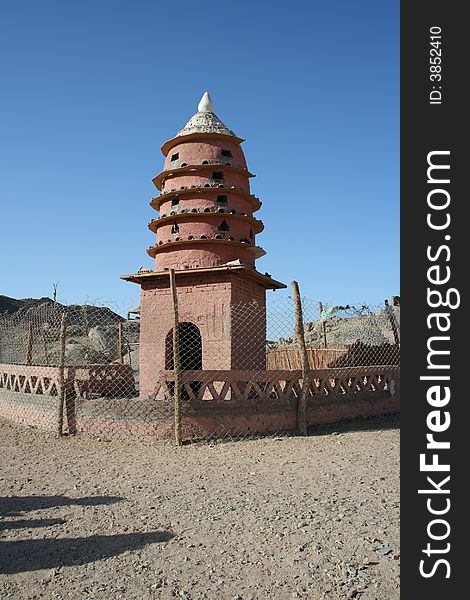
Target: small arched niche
190,344
190,348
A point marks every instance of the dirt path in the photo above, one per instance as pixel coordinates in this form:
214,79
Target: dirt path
314,517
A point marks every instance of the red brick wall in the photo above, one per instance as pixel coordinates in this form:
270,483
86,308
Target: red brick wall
202,301
214,419
203,255
231,339
204,176
239,229
270,417
208,199
208,149
248,325
200,419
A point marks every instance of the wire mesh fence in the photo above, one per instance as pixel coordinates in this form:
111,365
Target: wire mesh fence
340,336
236,372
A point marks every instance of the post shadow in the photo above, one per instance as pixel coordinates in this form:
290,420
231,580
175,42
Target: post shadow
30,523
19,556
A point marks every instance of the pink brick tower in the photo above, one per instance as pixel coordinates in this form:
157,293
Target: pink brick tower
206,232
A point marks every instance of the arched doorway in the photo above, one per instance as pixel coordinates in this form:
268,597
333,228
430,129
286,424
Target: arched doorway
190,343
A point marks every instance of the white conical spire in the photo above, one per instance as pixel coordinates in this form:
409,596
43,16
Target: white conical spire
206,104
205,120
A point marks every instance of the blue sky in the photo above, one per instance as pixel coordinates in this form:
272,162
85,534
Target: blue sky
91,90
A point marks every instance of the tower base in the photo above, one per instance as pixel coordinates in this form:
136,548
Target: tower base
222,317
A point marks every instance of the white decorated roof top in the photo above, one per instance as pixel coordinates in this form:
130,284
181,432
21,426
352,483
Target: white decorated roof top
205,120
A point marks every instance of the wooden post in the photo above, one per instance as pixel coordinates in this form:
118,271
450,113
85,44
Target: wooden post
176,359
325,345
61,382
120,349
391,318
29,350
299,334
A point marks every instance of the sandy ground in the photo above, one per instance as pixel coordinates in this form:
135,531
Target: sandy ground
292,517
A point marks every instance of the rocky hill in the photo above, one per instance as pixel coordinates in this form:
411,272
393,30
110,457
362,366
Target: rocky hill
11,305
30,329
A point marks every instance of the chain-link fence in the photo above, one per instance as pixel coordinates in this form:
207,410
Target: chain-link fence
238,371
339,336
249,371
57,360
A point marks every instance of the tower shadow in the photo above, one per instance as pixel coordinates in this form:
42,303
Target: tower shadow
17,556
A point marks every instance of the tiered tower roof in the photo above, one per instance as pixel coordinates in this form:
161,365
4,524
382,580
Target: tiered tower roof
206,207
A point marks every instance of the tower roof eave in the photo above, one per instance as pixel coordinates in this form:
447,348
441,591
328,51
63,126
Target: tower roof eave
154,224
157,180
154,250
157,201
265,280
